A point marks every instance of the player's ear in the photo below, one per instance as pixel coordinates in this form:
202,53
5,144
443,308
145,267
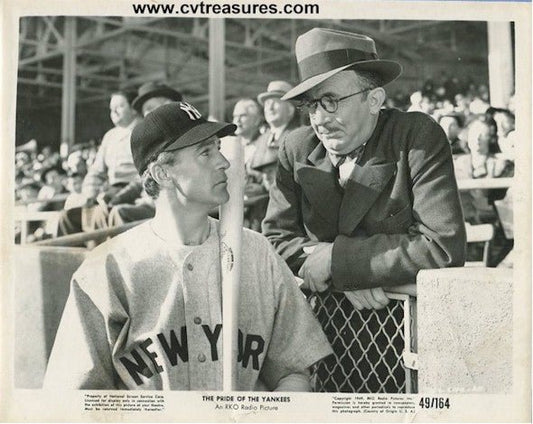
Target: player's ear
160,174
376,98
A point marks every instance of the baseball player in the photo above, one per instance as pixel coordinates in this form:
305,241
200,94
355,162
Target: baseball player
144,310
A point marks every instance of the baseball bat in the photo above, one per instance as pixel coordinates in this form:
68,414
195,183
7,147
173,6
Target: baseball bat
231,222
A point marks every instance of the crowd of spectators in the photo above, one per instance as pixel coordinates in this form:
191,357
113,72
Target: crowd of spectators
481,138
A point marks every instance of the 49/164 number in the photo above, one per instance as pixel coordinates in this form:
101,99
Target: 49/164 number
434,402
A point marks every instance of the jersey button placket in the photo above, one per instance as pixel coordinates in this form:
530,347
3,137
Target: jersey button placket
201,357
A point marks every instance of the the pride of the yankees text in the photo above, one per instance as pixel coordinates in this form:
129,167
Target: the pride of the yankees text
246,403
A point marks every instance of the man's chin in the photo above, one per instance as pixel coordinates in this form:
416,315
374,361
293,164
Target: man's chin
222,198
334,145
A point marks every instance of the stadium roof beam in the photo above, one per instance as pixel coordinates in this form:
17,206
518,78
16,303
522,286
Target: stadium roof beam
398,29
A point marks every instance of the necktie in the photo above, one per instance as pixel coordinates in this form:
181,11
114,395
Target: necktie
346,163
272,142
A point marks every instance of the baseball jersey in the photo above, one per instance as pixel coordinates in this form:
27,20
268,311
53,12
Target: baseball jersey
146,314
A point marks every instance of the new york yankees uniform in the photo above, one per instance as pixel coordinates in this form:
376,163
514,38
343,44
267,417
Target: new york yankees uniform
145,314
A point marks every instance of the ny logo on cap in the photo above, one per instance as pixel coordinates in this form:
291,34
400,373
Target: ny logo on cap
191,111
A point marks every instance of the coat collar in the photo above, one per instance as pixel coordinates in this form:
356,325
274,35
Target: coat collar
365,184
361,191
319,183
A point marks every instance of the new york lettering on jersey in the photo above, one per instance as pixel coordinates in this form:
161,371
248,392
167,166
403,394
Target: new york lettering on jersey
143,360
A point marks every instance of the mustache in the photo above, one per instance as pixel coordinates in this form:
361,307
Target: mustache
325,129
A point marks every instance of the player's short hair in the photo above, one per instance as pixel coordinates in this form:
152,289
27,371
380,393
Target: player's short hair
150,185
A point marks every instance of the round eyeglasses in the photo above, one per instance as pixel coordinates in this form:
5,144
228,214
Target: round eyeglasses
328,102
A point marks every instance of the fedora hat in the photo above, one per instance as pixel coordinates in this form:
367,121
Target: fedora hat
154,89
322,53
274,89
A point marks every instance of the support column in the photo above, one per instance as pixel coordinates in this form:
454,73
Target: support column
216,68
68,101
501,72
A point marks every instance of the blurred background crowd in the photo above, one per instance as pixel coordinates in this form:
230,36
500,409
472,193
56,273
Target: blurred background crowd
481,139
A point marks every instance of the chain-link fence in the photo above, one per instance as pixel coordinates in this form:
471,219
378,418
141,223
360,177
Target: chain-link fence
369,345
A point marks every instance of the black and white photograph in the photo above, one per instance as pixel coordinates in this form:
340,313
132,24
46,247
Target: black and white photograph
208,203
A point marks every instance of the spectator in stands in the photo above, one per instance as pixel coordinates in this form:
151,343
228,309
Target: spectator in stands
281,118
480,102
462,107
135,207
89,152
152,95
75,199
53,180
505,122
23,164
75,162
247,116
480,163
416,100
427,105
450,125
48,158
27,192
363,199
113,167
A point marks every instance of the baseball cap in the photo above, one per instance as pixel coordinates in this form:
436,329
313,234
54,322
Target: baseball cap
171,127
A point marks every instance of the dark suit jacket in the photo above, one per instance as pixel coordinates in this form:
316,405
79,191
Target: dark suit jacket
398,213
266,155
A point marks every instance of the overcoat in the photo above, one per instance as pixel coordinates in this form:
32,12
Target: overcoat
398,213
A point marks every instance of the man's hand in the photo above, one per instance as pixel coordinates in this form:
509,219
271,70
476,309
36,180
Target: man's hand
316,270
368,298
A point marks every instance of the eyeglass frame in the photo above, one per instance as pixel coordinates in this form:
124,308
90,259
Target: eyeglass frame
305,105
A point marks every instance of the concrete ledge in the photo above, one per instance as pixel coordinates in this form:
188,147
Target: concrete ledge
41,278
465,324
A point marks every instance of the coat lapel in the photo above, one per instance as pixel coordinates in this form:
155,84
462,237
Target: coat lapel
319,183
361,191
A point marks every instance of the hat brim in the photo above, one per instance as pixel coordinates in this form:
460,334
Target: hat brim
387,69
200,133
268,94
263,165
169,93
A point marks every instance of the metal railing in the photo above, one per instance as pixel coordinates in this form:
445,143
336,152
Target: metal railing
375,349
483,183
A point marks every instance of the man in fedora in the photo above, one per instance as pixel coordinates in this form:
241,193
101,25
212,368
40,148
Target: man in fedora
364,198
248,117
281,118
145,308
152,95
